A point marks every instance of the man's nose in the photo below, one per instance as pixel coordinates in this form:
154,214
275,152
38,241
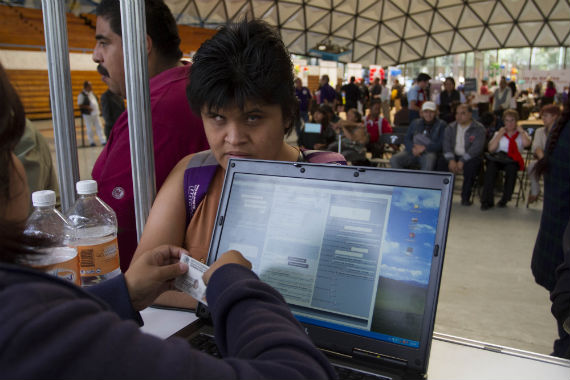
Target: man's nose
96,57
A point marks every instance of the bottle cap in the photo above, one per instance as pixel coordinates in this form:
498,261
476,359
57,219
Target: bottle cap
43,198
88,186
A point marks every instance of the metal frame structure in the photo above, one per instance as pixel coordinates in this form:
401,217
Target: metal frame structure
138,101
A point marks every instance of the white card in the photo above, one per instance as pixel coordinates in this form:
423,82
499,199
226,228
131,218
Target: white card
191,282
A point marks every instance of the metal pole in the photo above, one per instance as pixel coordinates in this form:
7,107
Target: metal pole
133,23
61,96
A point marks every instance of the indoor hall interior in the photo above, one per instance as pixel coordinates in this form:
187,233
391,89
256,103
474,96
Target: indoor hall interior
487,291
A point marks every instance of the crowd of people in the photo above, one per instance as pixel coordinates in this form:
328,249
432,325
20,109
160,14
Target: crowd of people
449,132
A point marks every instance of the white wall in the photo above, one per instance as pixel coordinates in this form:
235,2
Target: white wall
37,60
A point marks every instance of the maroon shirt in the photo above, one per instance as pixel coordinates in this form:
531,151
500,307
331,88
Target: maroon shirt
177,132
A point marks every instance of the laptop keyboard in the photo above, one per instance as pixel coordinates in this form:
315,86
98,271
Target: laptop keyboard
205,343
352,374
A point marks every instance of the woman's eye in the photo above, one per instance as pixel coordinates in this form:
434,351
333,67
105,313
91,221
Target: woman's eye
252,118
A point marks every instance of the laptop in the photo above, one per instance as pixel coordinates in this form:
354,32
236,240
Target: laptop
356,252
311,135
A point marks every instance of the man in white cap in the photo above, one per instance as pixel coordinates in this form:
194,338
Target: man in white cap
423,141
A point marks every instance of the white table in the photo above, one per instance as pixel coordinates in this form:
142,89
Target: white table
451,357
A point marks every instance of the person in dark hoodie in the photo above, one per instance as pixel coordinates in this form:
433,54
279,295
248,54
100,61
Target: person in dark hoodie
54,329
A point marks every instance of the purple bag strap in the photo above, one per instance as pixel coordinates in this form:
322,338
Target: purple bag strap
197,177
323,157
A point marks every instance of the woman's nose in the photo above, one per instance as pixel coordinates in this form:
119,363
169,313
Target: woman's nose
235,134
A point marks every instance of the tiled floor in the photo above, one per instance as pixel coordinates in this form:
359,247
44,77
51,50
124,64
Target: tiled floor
488,292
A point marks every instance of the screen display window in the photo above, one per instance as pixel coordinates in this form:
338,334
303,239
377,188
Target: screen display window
348,256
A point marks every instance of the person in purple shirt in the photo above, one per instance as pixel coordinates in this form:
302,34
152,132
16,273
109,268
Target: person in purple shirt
327,93
177,132
304,95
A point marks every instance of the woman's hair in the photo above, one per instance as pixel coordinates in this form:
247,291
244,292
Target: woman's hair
551,109
13,243
513,88
357,114
511,113
549,84
542,166
243,62
12,125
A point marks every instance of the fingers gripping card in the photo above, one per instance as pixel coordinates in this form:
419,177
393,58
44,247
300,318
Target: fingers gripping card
191,282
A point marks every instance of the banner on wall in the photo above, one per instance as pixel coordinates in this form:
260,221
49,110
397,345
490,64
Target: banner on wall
529,78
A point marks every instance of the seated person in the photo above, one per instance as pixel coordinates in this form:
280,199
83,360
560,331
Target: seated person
376,125
34,153
463,144
504,154
54,329
354,138
326,136
550,114
423,141
402,117
246,110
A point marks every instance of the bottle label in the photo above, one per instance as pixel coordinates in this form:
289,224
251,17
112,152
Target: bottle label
98,259
62,263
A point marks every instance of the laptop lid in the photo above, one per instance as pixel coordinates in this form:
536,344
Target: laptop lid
356,252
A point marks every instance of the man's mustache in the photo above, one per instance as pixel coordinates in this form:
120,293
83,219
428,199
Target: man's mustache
103,71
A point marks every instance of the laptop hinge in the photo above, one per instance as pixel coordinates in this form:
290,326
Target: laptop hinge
382,358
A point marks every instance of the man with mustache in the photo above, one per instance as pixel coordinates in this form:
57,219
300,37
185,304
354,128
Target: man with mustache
177,132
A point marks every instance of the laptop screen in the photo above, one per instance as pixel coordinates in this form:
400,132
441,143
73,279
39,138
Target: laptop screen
312,128
353,257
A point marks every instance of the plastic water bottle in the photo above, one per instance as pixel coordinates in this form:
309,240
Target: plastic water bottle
59,258
96,231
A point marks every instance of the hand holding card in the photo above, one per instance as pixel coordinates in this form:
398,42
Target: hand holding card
191,282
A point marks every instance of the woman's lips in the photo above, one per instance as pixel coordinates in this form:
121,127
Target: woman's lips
237,155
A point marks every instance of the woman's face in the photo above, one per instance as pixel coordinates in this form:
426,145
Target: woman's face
17,207
255,132
510,124
318,116
351,116
548,119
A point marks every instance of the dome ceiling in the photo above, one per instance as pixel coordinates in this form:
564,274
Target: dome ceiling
389,32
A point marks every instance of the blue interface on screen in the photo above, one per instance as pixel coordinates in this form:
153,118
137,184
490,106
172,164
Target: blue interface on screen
352,257
312,128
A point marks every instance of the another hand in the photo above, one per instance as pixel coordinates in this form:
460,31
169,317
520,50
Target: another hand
502,131
459,167
230,257
153,273
452,166
417,149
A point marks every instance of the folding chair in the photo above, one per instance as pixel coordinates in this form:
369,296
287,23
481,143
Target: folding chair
522,178
392,143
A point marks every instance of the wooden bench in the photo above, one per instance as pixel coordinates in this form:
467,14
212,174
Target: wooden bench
33,89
